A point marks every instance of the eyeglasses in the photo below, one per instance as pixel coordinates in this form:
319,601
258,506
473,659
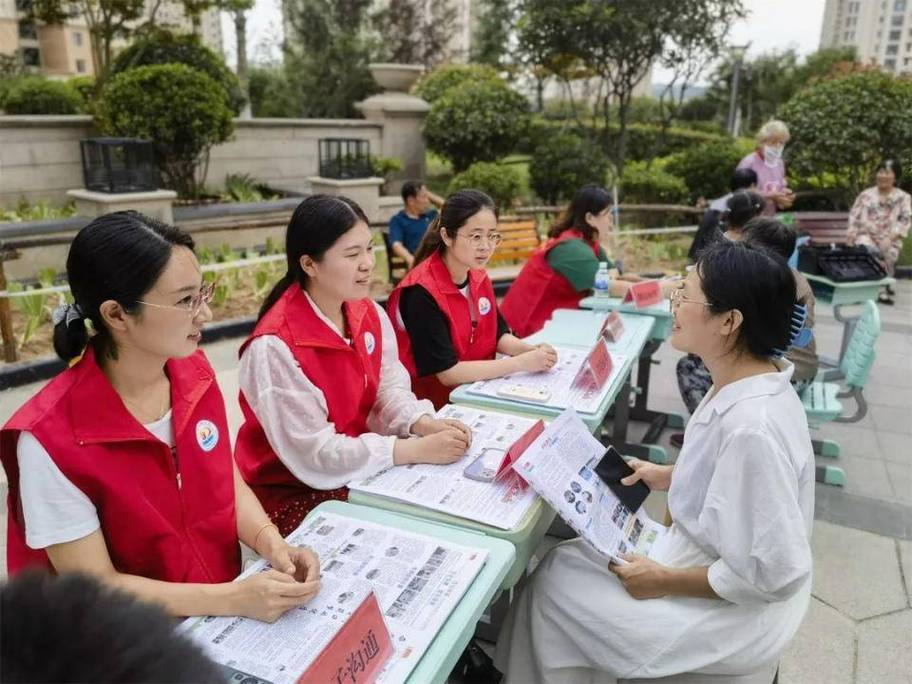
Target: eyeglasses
677,297
477,238
193,305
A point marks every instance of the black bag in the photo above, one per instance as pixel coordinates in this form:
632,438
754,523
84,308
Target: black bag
841,264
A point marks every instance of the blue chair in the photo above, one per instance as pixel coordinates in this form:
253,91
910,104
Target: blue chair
822,400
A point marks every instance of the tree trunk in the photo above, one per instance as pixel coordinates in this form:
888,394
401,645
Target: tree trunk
240,32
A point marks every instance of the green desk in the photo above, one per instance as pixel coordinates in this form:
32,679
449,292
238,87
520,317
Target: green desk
660,313
440,658
839,296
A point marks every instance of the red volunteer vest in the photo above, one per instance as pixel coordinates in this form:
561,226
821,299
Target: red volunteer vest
156,523
472,342
347,375
538,290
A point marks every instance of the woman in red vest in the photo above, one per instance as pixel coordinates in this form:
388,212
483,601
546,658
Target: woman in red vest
121,466
447,321
325,399
560,273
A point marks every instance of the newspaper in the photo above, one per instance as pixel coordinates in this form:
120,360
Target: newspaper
560,466
418,581
558,381
445,488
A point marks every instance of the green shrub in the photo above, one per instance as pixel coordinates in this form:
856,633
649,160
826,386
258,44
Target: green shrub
560,109
181,109
707,168
432,86
42,96
642,184
643,140
501,181
476,121
162,47
563,163
271,95
84,86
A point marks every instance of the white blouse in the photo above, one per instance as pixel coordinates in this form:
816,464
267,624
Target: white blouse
743,488
295,417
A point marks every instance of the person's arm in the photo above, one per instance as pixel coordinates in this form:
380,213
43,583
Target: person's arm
396,238
400,251
903,220
436,199
856,219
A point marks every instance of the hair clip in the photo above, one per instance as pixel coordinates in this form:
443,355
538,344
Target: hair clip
66,312
799,335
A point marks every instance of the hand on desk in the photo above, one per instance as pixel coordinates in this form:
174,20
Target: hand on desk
442,441
542,358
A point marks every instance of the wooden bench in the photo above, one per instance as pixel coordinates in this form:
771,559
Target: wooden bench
823,227
520,240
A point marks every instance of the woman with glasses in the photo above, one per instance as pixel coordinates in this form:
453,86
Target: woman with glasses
121,466
447,321
727,585
561,272
325,399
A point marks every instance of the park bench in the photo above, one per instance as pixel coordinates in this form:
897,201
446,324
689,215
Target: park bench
823,227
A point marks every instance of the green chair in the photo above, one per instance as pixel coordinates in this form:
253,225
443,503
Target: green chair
822,399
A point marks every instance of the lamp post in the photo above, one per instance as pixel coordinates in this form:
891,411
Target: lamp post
734,111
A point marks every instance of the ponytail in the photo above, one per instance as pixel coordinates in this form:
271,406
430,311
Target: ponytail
454,214
70,334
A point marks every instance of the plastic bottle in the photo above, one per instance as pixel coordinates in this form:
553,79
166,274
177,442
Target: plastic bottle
602,283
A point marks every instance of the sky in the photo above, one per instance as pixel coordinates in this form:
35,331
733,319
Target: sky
771,25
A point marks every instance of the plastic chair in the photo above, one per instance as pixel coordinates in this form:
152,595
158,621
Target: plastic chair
821,399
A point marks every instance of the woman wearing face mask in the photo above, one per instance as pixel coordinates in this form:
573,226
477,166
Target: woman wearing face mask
766,161
727,586
447,321
325,399
560,273
880,219
121,466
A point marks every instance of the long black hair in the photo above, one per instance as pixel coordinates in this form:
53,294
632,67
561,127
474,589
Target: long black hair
315,225
590,199
117,256
756,282
454,214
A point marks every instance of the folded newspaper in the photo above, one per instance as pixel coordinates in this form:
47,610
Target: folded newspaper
560,466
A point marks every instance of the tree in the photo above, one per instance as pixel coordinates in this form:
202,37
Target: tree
326,56
616,42
106,20
845,126
415,31
182,110
563,163
491,44
238,10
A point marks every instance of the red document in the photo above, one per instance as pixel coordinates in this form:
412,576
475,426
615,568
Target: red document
645,293
515,451
613,327
358,652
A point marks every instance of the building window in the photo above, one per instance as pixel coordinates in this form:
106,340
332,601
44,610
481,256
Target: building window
895,35
892,49
27,30
899,6
897,20
77,38
31,57
890,64
845,38
80,66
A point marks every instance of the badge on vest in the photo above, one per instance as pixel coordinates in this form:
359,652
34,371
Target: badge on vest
369,342
207,435
484,306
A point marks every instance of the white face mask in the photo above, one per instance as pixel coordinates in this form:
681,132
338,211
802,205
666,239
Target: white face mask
772,154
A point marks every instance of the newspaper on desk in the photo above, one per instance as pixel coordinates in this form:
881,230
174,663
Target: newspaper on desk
445,488
560,466
418,581
559,381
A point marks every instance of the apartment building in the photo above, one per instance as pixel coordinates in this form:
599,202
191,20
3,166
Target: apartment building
880,31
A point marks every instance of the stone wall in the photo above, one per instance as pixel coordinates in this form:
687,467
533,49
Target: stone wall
40,158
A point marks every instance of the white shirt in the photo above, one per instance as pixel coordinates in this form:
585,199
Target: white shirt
56,510
743,488
294,414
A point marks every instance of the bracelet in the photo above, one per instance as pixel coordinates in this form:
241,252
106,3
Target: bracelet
259,532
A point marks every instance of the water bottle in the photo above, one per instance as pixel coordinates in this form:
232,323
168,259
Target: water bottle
602,282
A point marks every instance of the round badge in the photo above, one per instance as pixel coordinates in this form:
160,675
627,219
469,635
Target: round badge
484,306
369,342
207,435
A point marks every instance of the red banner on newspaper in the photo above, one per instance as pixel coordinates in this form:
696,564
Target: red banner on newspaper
645,293
358,652
596,369
517,450
613,327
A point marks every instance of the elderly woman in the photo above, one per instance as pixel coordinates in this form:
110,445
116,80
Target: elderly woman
880,218
766,161
727,586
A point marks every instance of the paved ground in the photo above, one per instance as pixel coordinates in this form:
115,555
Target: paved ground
859,627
